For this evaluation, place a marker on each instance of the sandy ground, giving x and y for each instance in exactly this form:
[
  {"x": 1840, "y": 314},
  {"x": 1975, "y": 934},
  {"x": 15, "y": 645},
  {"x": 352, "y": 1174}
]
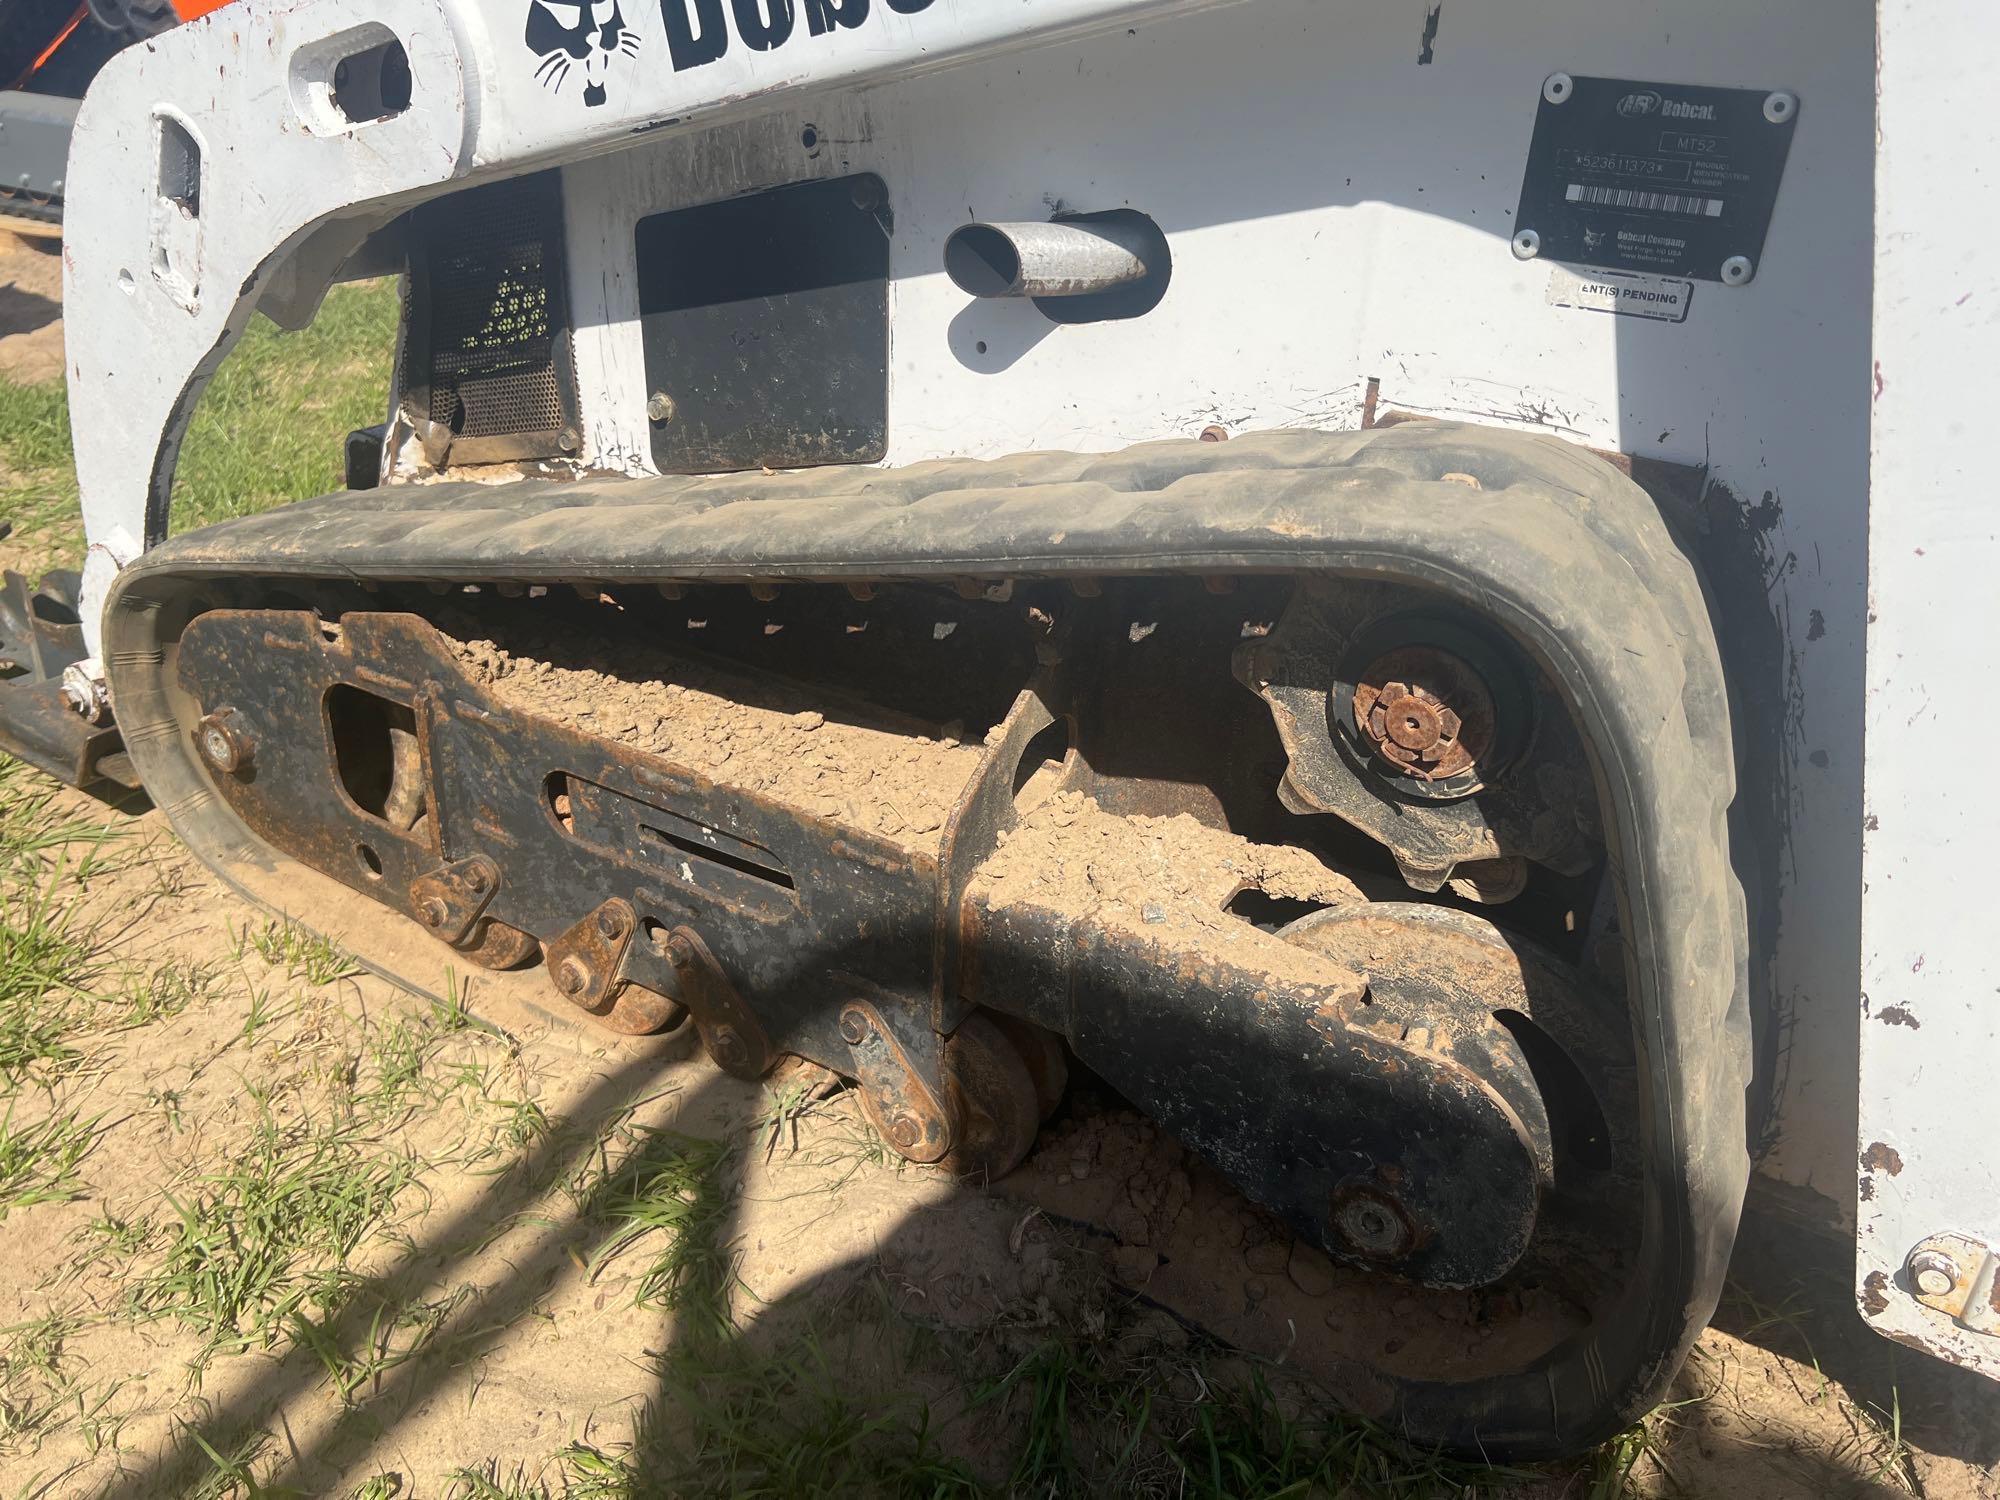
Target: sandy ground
[
  {"x": 488, "y": 1328},
  {"x": 31, "y": 346}
]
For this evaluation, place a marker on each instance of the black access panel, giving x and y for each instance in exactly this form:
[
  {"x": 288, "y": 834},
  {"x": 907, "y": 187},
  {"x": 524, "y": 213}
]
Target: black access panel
[
  {"x": 765, "y": 325},
  {"x": 1660, "y": 178}
]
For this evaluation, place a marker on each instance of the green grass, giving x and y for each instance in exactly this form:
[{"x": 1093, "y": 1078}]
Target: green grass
[
  {"x": 268, "y": 429},
  {"x": 34, "y": 1390},
  {"x": 301, "y": 953},
  {"x": 39, "y": 1160},
  {"x": 664, "y": 1192},
  {"x": 243, "y": 1253}
]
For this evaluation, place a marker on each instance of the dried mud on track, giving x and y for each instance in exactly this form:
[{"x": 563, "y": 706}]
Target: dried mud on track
[{"x": 336, "y": 1234}]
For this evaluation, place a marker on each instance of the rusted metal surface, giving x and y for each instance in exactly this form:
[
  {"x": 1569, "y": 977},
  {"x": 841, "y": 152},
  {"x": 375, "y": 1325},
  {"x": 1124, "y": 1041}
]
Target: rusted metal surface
[
  {"x": 992, "y": 1098},
  {"x": 39, "y": 640},
  {"x": 1426, "y": 712},
  {"x": 452, "y": 897},
  {"x": 730, "y": 1029},
  {"x": 1959, "y": 1276},
  {"x": 226, "y": 746},
  {"x": 1467, "y": 804},
  {"x": 585, "y": 963},
  {"x": 37, "y": 725},
  {"x": 895, "y": 1097}
]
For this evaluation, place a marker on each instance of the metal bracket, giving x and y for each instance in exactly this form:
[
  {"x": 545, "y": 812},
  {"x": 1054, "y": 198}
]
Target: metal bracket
[
  {"x": 910, "y": 1116},
  {"x": 729, "y": 1029},
  {"x": 587, "y": 966},
  {"x": 1960, "y": 1276},
  {"x": 450, "y": 899}
]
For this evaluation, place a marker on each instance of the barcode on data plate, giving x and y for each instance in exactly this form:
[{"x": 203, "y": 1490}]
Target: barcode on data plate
[{"x": 1690, "y": 204}]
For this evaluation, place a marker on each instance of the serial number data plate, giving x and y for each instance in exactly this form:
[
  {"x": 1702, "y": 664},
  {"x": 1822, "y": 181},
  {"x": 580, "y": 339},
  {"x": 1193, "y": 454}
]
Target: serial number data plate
[{"x": 1669, "y": 179}]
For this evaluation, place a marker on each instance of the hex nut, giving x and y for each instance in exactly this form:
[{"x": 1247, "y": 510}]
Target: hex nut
[
  {"x": 853, "y": 1028},
  {"x": 611, "y": 923},
  {"x": 431, "y": 911},
  {"x": 1933, "y": 1273},
  {"x": 572, "y": 978}
]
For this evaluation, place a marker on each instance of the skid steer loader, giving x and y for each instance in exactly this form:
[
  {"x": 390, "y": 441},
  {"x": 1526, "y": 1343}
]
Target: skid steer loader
[{"x": 1309, "y": 558}]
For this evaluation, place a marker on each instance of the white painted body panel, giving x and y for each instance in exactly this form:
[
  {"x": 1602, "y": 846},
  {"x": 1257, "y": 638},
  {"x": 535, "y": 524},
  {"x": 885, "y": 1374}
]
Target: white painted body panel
[
  {"x": 1338, "y": 212},
  {"x": 1930, "y": 1033}
]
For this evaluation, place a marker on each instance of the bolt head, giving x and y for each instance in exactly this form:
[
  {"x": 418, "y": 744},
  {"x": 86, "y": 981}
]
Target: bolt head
[
  {"x": 477, "y": 880},
  {"x": 611, "y": 923},
  {"x": 569, "y": 440},
  {"x": 222, "y": 743},
  {"x": 660, "y": 407},
  {"x": 726, "y": 1047},
  {"x": 1933, "y": 1273},
  {"x": 572, "y": 977},
  {"x": 853, "y": 1028},
  {"x": 431, "y": 911},
  {"x": 1371, "y": 1224},
  {"x": 904, "y": 1132},
  {"x": 680, "y": 952}
]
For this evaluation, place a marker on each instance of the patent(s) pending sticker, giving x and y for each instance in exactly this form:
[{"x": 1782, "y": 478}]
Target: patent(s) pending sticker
[{"x": 1621, "y": 292}]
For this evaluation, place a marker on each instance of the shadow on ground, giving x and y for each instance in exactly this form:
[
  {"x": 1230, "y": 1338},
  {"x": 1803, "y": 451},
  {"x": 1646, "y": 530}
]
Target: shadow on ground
[{"x": 978, "y": 1350}]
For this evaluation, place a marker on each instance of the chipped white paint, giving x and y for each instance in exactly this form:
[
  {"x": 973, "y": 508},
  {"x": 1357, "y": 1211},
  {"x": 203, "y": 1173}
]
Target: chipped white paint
[{"x": 1930, "y": 1020}]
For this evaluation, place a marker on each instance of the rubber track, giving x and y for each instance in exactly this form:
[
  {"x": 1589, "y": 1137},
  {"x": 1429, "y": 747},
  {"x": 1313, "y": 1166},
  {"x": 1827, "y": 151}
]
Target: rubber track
[{"x": 1554, "y": 544}]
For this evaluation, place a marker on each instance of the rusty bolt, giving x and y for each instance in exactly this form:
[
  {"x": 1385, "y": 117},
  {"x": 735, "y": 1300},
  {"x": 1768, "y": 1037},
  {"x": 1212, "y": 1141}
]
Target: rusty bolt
[
  {"x": 476, "y": 879},
  {"x": 572, "y": 978},
  {"x": 1933, "y": 1273},
  {"x": 431, "y": 911},
  {"x": 904, "y": 1132},
  {"x": 726, "y": 1047},
  {"x": 853, "y": 1028},
  {"x": 223, "y": 741},
  {"x": 611, "y": 923},
  {"x": 1215, "y": 432},
  {"x": 1371, "y": 1223},
  {"x": 1425, "y": 711},
  {"x": 569, "y": 440},
  {"x": 680, "y": 952}
]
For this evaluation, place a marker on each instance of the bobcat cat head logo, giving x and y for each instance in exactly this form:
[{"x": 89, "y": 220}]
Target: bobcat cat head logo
[{"x": 591, "y": 32}]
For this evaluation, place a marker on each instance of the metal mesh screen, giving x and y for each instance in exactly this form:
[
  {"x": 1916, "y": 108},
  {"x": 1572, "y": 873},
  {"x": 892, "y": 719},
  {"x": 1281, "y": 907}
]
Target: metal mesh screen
[{"x": 494, "y": 316}]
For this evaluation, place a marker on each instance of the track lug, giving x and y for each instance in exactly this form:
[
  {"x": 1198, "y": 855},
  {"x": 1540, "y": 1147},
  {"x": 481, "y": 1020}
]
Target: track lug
[
  {"x": 898, "y": 1102},
  {"x": 729, "y": 1029},
  {"x": 587, "y": 965},
  {"x": 452, "y": 897}
]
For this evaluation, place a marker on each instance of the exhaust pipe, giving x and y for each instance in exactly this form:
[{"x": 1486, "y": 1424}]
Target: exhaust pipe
[
  {"x": 1045, "y": 260},
  {"x": 1082, "y": 269}
]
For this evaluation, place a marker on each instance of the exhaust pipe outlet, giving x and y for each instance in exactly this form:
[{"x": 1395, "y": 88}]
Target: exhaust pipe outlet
[{"x": 1082, "y": 269}]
